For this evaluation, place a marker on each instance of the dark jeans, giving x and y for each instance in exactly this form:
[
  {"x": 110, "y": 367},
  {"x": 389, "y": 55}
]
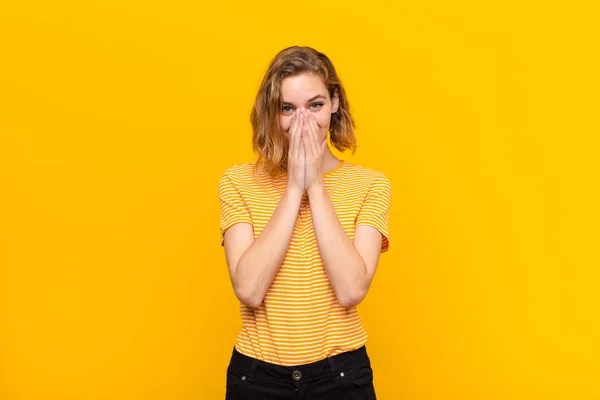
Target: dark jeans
[{"x": 345, "y": 376}]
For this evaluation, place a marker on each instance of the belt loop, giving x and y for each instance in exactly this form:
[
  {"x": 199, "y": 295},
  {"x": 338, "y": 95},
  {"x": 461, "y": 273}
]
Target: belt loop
[
  {"x": 332, "y": 369},
  {"x": 252, "y": 370}
]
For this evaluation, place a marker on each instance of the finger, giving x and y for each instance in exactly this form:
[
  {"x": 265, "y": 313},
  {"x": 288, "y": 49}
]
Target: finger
[
  {"x": 294, "y": 130},
  {"x": 301, "y": 151},
  {"x": 299, "y": 127},
  {"x": 297, "y": 135},
  {"x": 306, "y": 138},
  {"x": 313, "y": 132},
  {"x": 291, "y": 148}
]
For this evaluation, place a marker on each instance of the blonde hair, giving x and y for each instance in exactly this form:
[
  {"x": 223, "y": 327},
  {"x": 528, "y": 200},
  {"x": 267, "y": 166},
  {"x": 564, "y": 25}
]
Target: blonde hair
[{"x": 268, "y": 139}]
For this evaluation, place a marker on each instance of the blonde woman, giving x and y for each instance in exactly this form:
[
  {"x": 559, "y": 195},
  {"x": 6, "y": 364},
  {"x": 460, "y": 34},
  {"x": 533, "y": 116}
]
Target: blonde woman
[{"x": 302, "y": 232}]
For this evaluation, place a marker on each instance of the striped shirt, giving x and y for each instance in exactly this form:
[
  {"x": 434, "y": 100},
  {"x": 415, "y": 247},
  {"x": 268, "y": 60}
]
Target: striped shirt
[{"x": 300, "y": 320}]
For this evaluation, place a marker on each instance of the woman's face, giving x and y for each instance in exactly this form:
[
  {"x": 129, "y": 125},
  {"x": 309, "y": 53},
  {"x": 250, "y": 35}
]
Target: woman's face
[{"x": 308, "y": 91}]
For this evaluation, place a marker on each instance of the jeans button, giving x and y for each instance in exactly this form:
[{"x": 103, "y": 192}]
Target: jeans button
[{"x": 297, "y": 375}]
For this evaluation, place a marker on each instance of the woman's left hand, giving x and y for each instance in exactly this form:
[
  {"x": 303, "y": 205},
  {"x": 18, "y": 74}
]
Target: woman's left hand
[{"x": 313, "y": 150}]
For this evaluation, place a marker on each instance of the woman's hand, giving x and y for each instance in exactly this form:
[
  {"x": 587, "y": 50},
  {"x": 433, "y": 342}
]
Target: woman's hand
[
  {"x": 314, "y": 150},
  {"x": 296, "y": 163}
]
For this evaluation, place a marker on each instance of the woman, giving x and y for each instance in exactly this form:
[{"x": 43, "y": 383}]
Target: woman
[{"x": 302, "y": 232}]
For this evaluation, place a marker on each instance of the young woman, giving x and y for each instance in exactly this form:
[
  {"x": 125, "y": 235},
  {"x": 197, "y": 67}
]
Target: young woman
[{"x": 302, "y": 232}]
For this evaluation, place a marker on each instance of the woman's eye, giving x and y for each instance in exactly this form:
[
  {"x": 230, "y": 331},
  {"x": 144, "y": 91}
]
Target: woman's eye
[{"x": 286, "y": 109}]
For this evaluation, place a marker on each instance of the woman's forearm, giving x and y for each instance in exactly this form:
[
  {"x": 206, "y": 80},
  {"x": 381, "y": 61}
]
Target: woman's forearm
[
  {"x": 259, "y": 264},
  {"x": 342, "y": 262}
]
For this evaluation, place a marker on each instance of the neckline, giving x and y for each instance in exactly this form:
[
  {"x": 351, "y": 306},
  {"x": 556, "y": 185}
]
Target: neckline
[
  {"x": 329, "y": 178},
  {"x": 328, "y": 174},
  {"x": 337, "y": 168}
]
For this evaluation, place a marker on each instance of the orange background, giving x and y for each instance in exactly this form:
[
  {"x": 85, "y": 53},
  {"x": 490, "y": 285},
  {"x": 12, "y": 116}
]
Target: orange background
[{"x": 117, "y": 119}]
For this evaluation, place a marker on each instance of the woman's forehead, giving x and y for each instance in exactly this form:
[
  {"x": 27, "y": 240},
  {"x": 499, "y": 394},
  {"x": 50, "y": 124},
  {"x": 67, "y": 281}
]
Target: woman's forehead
[{"x": 302, "y": 88}]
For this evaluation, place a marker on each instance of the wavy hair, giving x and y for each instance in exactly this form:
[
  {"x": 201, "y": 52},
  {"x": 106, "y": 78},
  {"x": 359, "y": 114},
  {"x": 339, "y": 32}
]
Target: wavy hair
[{"x": 268, "y": 139}]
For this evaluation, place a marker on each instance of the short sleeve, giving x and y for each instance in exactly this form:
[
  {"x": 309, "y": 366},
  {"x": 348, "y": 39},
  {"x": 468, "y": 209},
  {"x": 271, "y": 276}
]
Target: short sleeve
[
  {"x": 375, "y": 210},
  {"x": 233, "y": 208}
]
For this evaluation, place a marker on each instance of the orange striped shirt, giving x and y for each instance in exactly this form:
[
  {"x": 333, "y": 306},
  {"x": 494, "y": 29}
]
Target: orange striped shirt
[{"x": 300, "y": 320}]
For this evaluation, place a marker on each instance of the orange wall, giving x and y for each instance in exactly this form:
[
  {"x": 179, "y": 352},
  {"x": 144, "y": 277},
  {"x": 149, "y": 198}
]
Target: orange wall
[{"x": 117, "y": 119}]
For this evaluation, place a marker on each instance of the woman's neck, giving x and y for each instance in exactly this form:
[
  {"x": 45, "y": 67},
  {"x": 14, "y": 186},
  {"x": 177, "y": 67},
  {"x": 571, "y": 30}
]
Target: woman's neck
[{"x": 330, "y": 161}]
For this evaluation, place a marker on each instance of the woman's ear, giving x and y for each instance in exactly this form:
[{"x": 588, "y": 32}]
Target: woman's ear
[{"x": 335, "y": 102}]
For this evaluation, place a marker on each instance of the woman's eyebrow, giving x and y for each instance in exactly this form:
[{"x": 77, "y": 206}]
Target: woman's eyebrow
[{"x": 309, "y": 100}]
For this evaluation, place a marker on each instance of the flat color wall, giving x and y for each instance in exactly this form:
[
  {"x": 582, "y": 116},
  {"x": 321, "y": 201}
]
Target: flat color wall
[{"x": 117, "y": 118}]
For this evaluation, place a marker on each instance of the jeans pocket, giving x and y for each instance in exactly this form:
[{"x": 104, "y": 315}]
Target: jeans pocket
[
  {"x": 236, "y": 381},
  {"x": 356, "y": 383}
]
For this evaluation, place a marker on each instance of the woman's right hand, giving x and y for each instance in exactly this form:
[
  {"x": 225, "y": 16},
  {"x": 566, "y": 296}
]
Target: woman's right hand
[{"x": 296, "y": 164}]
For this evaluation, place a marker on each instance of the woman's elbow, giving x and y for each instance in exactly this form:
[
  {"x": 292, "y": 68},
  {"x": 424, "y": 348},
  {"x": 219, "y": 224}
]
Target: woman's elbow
[
  {"x": 248, "y": 297},
  {"x": 353, "y": 299}
]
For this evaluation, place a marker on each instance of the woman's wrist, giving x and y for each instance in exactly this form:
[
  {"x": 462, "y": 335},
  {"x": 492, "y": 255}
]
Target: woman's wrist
[
  {"x": 294, "y": 193},
  {"x": 316, "y": 189}
]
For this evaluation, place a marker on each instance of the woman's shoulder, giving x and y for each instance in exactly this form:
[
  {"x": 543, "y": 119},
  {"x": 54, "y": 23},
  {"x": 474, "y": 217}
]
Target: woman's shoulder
[
  {"x": 240, "y": 171},
  {"x": 249, "y": 176},
  {"x": 362, "y": 172}
]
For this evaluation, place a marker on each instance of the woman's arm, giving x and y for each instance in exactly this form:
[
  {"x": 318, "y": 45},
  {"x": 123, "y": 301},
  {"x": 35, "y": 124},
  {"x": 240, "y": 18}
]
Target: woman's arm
[
  {"x": 253, "y": 263},
  {"x": 350, "y": 267}
]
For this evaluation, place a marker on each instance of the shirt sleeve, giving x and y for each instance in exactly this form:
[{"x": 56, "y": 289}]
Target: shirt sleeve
[
  {"x": 233, "y": 208},
  {"x": 375, "y": 210}
]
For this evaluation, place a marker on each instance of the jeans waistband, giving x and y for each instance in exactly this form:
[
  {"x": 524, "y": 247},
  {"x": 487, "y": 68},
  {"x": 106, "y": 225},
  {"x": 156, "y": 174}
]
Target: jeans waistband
[{"x": 311, "y": 371}]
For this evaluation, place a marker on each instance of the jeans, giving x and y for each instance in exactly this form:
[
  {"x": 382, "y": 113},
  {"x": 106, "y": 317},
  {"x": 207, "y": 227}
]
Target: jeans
[{"x": 345, "y": 376}]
